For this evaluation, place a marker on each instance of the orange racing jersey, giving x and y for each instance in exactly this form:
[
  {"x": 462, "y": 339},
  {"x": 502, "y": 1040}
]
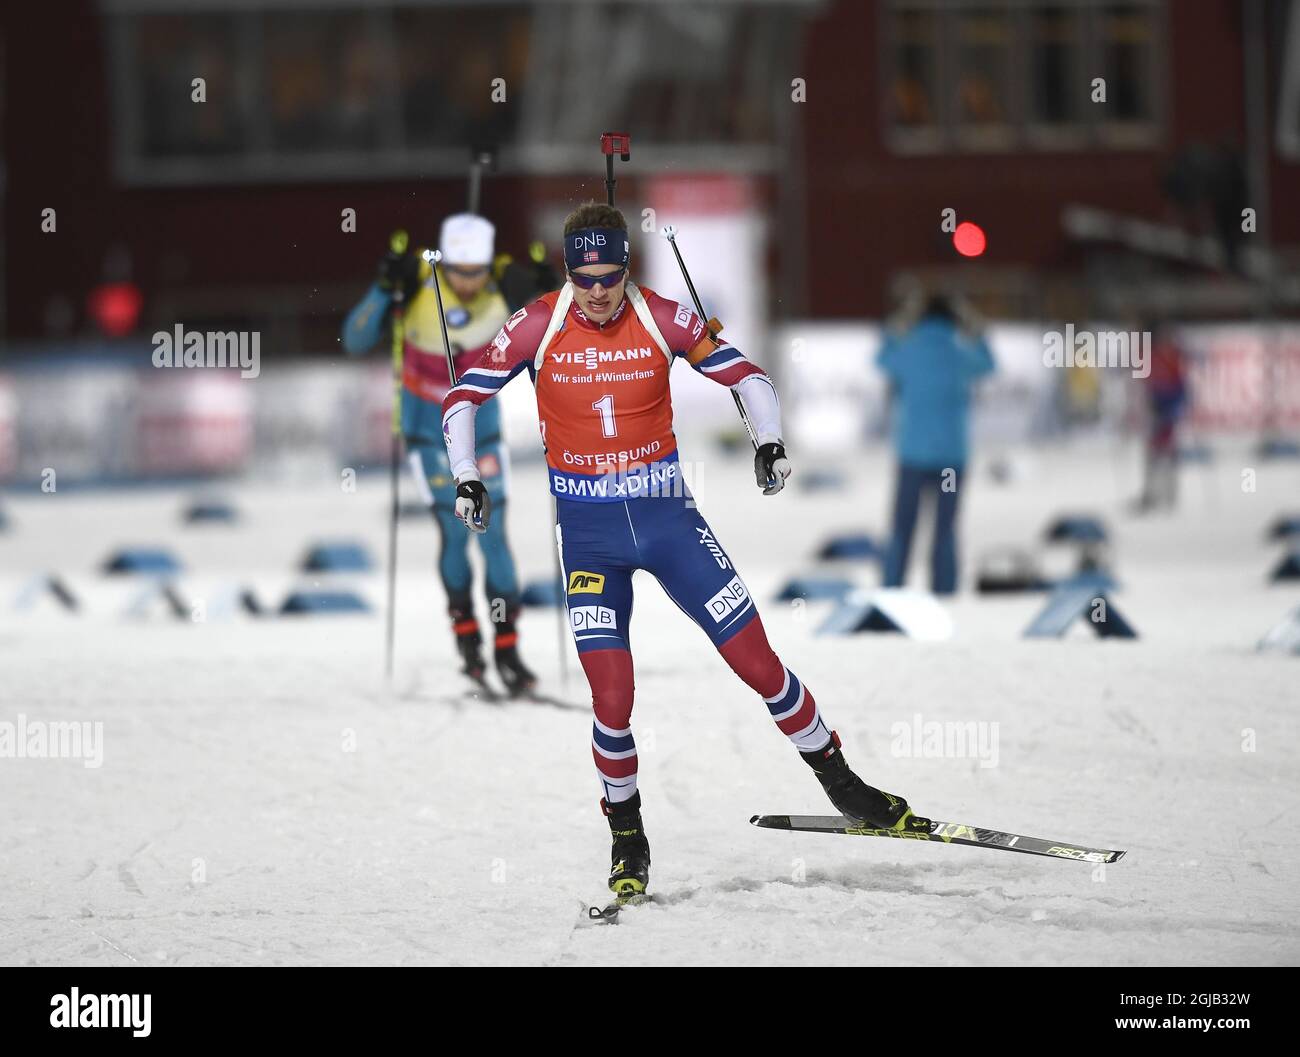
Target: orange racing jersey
[{"x": 604, "y": 404}]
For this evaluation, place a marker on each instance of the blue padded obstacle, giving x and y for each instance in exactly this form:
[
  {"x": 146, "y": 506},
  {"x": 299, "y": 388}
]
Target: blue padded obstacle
[
  {"x": 916, "y": 614},
  {"x": 852, "y": 547},
  {"x": 1287, "y": 569},
  {"x": 542, "y": 593},
  {"x": 38, "y": 587},
  {"x": 307, "y": 602},
  {"x": 341, "y": 557},
  {"x": 1079, "y": 601},
  {"x": 1076, "y": 528},
  {"x": 1285, "y": 637},
  {"x": 158, "y": 595},
  {"x": 815, "y": 589},
  {"x": 1285, "y": 527},
  {"x": 210, "y": 511},
  {"x": 1279, "y": 448},
  {"x": 150, "y": 561}
]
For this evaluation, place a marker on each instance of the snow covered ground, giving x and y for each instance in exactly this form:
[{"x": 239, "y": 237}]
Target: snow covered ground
[{"x": 263, "y": 800}]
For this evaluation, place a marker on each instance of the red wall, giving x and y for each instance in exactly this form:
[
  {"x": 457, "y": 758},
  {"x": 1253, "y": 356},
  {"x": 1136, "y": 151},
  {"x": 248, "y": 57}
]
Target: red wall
[
  {"x": 883, "y": 210},
  {"x": 893, "y": 203}
]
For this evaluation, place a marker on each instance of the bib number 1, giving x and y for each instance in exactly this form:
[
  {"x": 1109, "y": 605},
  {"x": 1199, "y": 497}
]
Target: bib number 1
[{"x": 605, "y": 405}]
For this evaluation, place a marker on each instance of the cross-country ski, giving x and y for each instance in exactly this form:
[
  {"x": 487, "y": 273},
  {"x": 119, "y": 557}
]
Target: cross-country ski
[{"x": 939, "y": 832}]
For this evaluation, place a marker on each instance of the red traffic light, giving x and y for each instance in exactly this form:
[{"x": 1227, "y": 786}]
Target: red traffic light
[
  {"x": 969, "y": 239},
  {"x": 115, "y": 308}
]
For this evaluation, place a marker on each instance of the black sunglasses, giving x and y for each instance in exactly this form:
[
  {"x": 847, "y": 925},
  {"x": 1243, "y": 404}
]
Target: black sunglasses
[{"x": 607, "y": 281}]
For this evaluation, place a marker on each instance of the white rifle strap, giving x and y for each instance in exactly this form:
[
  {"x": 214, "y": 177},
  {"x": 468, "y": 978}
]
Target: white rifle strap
[{"x": 558, "y": 313}]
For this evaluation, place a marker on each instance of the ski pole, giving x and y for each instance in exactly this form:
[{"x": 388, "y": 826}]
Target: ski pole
[
  {"x": 397, "y": 244},
  {"x": 434, "y": 257},
  {"x": 714, "y": 327}
]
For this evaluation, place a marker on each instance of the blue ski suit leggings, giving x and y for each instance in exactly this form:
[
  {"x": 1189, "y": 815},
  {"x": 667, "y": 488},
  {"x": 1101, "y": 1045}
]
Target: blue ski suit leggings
[{"x": 602, "y": 545}]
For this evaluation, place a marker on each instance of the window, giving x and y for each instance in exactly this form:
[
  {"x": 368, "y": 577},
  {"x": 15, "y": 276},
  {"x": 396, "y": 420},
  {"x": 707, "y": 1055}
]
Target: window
[
  {"x": 981, "y": 75},
  {"x": 1127, "y": 59},
  {"x": 981, "y": 85},
  {"x": 914, "y": 93},
  {"x": 355, "y": 90},
  {"x": 1058, "y": 87}
]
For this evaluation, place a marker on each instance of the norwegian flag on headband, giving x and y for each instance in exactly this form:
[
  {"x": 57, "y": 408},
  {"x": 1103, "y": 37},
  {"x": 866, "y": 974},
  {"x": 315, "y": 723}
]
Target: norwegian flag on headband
[{"x": 591, "y": 255}]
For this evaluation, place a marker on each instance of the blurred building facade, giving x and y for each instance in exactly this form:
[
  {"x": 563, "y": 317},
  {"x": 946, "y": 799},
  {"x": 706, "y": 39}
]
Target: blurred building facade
[
  {"x": 199, "y": 159},
  {"x": 229, "y": 209}
]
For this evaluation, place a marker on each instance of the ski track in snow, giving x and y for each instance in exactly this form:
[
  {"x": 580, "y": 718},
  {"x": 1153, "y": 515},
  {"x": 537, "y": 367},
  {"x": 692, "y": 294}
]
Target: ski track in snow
[{"x": 234, "y": 822}]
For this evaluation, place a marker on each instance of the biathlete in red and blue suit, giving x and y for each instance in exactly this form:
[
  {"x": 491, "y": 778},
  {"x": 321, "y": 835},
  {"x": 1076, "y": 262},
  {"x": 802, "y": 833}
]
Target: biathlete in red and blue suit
[{"x": 599, "y": 352}]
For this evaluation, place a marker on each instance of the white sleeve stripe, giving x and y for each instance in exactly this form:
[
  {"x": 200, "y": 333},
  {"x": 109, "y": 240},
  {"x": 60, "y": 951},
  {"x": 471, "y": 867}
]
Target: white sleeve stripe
[
  {"x": 626, "y": 754},
  {"x": 714, "y": 368},
  {"x": 610, "y": 731}
]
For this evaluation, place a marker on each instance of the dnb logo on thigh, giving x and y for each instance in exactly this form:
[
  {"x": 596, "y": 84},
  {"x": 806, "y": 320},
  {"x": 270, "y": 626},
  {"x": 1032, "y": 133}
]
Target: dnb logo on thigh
[
  {"x": 581, "y": 583},
  {"x": 593, "y": 618},
  {"x": 728, "y": 600}
]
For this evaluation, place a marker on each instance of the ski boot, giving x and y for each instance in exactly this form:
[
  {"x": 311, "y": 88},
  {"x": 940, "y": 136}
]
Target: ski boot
[
  {"x": 854, "y": 799},
  {"x": 469, "y": 643},
  {"x": 629, "y": 860},
  {"x": 514, "y": 673}
]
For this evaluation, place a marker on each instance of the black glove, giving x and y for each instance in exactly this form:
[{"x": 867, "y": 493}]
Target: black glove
[
  {"x": 399, "y": 275},
  {"x": 771, "y": 468},
  {"x": 473, "y": 505}
]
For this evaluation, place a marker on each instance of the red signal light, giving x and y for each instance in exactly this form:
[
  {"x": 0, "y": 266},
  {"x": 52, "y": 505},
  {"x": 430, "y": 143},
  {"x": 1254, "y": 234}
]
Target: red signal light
[{"x": 969, "y": 239}]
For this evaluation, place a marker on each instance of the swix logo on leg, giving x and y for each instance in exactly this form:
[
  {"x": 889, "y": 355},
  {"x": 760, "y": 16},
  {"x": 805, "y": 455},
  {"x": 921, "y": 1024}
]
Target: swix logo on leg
[
  {"x": 593, "y": 618},
  {"x": 731, "y": 598},
  {"x": 719, "y": 556},
  {"x": 581, "y": 583}
]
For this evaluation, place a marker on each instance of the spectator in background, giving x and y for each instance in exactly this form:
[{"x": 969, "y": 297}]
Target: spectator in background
[
  {"x": 931, "y": 361},
  {"x": 1166, "y": 400}
]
